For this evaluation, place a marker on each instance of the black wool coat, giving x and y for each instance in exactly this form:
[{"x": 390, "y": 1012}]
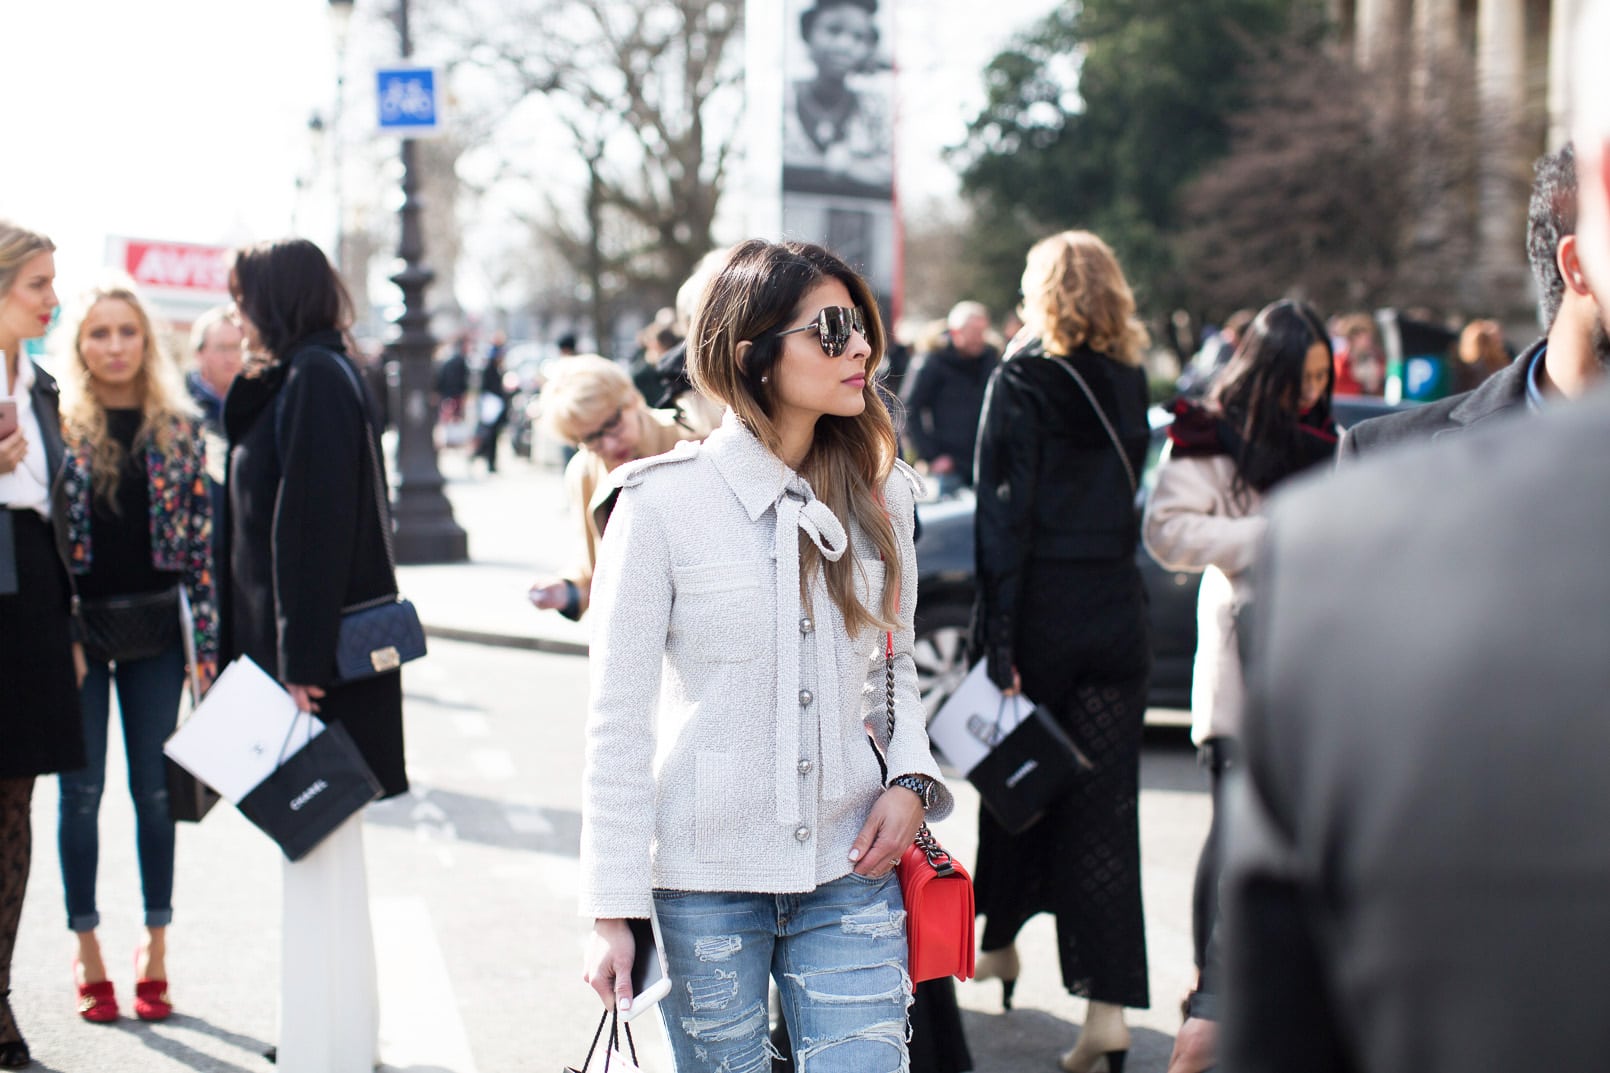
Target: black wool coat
[
  {"x": 304, "y": 538},
  {"x": 1050, "y": 482}
]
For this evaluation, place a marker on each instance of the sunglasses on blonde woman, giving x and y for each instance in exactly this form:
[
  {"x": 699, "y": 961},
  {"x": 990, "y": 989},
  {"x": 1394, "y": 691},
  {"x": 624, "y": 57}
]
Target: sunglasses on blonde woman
[
  {"x": 608, "y": 428},
  {"x": 833, "y": 327}
]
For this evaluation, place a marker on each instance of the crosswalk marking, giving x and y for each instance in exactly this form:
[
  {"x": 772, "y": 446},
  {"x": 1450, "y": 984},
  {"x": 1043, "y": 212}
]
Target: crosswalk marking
[{"x": 420, "y": 1027}]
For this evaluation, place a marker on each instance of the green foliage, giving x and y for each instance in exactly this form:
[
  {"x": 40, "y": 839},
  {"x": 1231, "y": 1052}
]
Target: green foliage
[{"x": 1099, "y": 114}]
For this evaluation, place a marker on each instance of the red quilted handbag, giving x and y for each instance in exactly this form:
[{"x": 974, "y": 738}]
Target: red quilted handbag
[{"x": 938, "y": 894}]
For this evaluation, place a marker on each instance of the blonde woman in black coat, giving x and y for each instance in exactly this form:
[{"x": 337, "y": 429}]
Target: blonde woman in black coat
[
  {"x": 1062, "y": 615},
  {"x": 40, "y": 731},
  {"x": 305, "y": 539}
]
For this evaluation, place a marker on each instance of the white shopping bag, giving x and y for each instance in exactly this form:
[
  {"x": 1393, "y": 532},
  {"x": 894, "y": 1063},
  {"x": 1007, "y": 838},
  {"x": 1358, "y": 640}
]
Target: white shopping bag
[
  {"x": 974, "y": 719},
  {"x": 234, "y": 738}
]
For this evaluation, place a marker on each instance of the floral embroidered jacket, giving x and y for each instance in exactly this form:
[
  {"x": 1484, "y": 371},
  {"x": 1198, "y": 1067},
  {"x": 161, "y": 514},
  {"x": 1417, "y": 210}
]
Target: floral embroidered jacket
[{"x": 181, "y": 522}]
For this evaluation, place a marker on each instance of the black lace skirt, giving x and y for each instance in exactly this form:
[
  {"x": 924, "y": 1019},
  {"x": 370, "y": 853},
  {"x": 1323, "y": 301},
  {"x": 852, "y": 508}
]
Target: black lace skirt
[
  {"x": 1082, "y": 652},
  {"x": 41, "y": 730}
]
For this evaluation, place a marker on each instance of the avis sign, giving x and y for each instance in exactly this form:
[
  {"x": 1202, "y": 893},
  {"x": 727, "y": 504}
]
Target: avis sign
[{"x": 197, "y": 271}]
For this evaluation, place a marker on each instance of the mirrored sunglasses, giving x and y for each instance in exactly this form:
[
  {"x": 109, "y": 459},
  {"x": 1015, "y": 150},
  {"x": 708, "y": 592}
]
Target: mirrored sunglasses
[{"x": 833, "y": 327}]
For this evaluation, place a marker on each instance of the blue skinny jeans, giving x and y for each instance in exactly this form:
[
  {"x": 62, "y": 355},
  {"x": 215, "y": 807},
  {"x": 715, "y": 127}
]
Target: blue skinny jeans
[
  {"x": 148, "y": 693},
  {"x": 838, "y": 954}
]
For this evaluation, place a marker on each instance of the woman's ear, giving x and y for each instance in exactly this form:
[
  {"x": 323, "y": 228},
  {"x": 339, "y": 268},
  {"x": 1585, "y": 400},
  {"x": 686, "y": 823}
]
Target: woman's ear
[{"x": 742, "y": 353}]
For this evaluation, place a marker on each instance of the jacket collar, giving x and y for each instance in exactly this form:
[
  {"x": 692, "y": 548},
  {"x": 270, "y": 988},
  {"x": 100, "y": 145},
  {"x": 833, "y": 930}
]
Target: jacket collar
[
  {"x": 756, "y": 476},
  {"x": 45, "y": 397},
  {"x": 326, "y": 340},
  {"x": 1505, "y": 390}
]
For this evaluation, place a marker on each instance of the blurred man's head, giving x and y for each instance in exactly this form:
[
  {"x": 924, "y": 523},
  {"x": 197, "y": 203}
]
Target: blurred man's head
[
  {"x": 215, "y": 342},
  {"x": 968, "y": 322},
  {"x": 1579, "y": 346},
  {"x": 1551, "y": 229},
  {"x": 1590, "y": 110}
]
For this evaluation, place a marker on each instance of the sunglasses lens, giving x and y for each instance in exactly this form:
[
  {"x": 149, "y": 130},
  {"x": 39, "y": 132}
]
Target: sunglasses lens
[{"x": 834, "y": 325}]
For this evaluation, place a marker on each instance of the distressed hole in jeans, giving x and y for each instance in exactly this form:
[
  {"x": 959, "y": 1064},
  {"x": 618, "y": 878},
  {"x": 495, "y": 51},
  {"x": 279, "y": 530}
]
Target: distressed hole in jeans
[
  {"x": 726, "y": 1029},
  {"x": 712, "y": 992},
  {"x": 717, "y": 947},
  {"x": 890, "y": 1034},
  {"x": 857, "y": 985},
  {"x": 751, "y": 1056},
  {"x": 875, "y": 920}
]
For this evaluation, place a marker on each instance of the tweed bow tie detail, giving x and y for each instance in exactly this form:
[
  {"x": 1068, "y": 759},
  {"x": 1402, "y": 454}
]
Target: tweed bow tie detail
[{"x": 798, "y": 510}]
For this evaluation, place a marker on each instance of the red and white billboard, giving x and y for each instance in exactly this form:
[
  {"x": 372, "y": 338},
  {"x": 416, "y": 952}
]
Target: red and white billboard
[{"x": 198, "y": 271}]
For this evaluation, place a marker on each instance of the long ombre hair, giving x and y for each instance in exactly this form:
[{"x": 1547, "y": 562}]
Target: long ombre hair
[
  {"x": 162, "y": 393},
  {"x": 758, "y": 291},
  {"x": 1075, "y": 295}
]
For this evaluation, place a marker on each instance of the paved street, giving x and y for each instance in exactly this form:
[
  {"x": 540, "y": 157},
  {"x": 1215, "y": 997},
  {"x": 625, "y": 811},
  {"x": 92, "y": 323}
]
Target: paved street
[{"x": 473, "y": 875}]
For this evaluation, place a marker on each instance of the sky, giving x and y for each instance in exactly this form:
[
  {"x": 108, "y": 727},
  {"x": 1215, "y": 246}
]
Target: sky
[{"x": 187, "y": 120}]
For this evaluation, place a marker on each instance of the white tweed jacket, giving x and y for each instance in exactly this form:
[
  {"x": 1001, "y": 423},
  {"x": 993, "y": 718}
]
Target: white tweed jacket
[{"x": 726, "y": 740}]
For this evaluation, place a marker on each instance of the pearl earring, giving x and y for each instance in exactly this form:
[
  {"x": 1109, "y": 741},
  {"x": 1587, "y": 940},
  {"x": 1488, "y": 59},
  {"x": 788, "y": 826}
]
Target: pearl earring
[{"x": 765, "y": 380}]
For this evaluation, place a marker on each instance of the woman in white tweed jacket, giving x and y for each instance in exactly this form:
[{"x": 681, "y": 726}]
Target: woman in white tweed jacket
[{"x": 742, "y": 597}]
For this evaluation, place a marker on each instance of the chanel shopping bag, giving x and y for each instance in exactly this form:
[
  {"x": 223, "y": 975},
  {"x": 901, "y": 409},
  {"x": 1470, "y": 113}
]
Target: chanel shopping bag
[
  {"x": 313, "y": 790},
  {"x": 1031, "y": 763}
]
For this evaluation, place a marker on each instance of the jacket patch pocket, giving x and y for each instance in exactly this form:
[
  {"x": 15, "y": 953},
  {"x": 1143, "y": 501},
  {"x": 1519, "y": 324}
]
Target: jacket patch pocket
[
  {"x": 718, "y": 614},
  {"x": 719, "y": 820}
]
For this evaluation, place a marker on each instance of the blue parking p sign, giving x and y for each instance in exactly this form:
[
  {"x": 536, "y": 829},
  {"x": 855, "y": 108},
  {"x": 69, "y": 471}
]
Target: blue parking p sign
[{"x": 407, "y": 100}]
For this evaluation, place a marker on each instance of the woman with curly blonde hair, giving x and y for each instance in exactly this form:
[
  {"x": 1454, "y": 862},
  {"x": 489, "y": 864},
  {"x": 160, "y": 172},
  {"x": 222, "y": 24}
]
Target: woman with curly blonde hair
[
  {"x": 139, "y": 536},
  {"x": 1061, "y": 615}
]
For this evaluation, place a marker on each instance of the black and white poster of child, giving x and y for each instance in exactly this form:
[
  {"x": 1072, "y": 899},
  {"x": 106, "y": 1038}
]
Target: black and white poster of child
[
  {"x": 838, "y": 115},
  {"x": 838, "y": 134}
]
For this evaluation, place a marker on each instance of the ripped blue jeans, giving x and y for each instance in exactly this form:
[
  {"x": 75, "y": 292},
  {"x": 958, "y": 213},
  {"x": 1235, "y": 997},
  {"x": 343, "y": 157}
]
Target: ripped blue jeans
[{"x": 838, "y": 954}]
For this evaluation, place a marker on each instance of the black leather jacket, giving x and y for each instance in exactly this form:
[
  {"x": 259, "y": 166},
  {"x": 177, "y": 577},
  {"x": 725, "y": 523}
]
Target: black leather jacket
[{"x": 1050, "y": 483}]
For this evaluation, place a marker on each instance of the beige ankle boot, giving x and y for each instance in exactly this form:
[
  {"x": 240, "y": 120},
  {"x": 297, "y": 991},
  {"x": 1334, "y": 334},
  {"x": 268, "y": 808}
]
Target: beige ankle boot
[
  {"x": 999, "y": 965},
  {"x": 1103, "y": 1042}
]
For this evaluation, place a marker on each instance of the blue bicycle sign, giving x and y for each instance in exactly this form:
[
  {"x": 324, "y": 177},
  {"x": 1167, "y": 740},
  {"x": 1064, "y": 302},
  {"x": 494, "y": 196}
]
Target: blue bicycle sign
[{"x": 407, "y": 100}]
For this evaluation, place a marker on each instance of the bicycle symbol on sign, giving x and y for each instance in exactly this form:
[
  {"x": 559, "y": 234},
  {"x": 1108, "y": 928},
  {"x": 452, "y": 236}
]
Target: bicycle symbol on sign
[{"x": 407, "y": 101}]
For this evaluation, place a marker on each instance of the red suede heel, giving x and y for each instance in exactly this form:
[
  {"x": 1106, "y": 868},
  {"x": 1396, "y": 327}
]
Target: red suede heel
[
  {"x": 150, "y": 996},
  {"x": 151, "y": 1000},
  {"x": 97, "y": 1002}
]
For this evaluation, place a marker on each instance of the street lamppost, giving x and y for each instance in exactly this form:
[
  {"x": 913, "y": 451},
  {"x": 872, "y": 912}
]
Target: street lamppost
[
  {"x": 340, "y": 22},
  {"x": 426, "y": 531}
]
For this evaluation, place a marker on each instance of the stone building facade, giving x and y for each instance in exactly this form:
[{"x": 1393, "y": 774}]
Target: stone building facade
[{"x": 1515, "y": 52}]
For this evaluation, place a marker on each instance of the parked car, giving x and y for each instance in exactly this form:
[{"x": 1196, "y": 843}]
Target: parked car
[{"x": 945, "y": 584}]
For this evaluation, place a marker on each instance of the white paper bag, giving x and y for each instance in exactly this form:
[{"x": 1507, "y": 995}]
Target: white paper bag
[
  {"x": 233, "y": 739},
  {"x": 974, "y": 718}
]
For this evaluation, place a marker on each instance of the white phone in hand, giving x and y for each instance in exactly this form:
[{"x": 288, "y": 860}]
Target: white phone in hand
[{"x": 650, "y": 981}]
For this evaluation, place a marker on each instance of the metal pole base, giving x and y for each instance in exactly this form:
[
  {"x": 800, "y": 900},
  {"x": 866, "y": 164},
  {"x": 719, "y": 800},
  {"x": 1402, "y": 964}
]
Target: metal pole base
[{"x": 426, "y": 531}]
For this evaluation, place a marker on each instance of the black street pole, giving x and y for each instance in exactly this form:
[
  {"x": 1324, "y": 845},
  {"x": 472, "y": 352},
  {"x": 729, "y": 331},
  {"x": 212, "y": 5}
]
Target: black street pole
[{"x": 426, "y": 531}]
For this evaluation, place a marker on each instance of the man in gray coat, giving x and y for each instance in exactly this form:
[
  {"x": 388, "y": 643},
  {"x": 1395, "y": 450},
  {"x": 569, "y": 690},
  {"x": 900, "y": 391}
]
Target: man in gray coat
[
  {"x": 1419, "y": 868},
  {"x": 1562, "y": 365}
]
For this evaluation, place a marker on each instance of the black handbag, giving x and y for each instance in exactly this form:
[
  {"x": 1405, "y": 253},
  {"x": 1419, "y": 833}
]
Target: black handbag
[
  {"x": 127, "y": 628},
  {"x": 1028, "y": 768},
  {"x": 617, "y": 1028},
  {"x": 377, "y": 636},
  {"x": 189, "y": 799},
  {"x": 312, "y": 792}
]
